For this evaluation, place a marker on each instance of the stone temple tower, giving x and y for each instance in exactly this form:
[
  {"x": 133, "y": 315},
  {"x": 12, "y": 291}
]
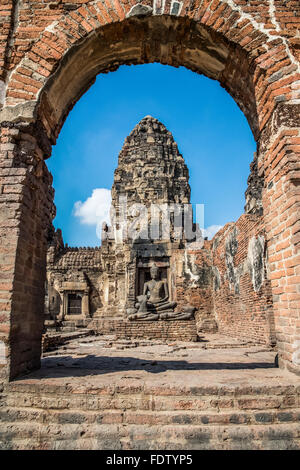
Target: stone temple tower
[
  {"x": 150, "y": 172},
  {"x": 150, "y": 167}
]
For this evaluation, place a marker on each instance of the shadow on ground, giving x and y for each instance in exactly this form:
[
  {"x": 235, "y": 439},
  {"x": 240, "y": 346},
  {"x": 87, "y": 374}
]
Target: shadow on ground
[{"x": 98, "y": 365}]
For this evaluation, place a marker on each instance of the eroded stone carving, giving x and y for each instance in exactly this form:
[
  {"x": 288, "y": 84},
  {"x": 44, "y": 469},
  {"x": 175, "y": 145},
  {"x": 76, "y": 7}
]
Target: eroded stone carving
[
  {"x": 253, "y": 193},
  {"x": 216, "y": 278},
  {"x": 233, "y": 272},
  {"x": 140, "y": 10},
  {"x": 256, "y": 265}
]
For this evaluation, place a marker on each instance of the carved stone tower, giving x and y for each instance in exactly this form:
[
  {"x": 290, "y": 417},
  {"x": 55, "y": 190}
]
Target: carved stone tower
[{"x": 150, "y": 167}]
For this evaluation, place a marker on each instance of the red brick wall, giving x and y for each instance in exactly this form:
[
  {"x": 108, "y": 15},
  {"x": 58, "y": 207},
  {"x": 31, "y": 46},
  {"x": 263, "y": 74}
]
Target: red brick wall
[
  {"x": 243, "y": 308},
  {"x": 26, "y": 209},
  {"x": 162, "y": 329},
  {"x": 37, "y": 34},
  {"x": 281, "y": 201}
]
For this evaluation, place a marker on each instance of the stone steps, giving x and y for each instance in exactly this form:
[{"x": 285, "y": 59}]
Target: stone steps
[
  {"x": 137, "y": 417},
  {"x": 120, "y": 436},
  {"x": 67, "y": 326},
  {"x": 147, "y": 417},
  {"x": 52, "y": 341},
  {"x": 142, "y": 401}
]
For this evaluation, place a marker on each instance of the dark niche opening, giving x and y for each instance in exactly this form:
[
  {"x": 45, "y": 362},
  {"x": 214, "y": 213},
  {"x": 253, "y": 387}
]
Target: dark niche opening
[{"x": 74, "y": 304}]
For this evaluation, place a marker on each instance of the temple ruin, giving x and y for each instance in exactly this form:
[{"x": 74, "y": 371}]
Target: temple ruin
[{"x": 154, "y": 265}]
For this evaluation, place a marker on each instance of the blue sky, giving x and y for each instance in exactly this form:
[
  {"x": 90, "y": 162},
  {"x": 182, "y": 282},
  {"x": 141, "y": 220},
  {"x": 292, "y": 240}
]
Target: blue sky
[{"x": 211, "y": 132}]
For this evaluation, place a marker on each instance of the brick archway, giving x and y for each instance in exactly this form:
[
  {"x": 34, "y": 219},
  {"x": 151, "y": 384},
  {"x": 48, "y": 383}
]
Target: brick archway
[{"x": 49, "y": 63}]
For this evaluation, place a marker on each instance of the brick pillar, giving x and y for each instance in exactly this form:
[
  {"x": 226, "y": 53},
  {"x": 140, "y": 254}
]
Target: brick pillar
[
  {"x": 26, "y": 211},
  {"x": 280, "y": 145}
]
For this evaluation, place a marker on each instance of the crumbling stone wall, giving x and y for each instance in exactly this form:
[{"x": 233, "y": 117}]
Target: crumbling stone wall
[
  {"x": 161, "y": 330},
  {"x": 64, "y": 268},
  {"x": 26, "y": 215},
  {"x": 242, "y": 296},
  {"x": 104, "y": 274},
  {"x": 251, "y": 48},
  {"x": 194, "y": 285}
]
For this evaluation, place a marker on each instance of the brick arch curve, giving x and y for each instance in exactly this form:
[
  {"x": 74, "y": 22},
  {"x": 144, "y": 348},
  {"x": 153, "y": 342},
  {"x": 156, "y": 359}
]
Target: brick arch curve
[
  {"x": 256, "y": 62},
  {"x": 181, "y": 42},
  {"x": 252, "y": 58}
]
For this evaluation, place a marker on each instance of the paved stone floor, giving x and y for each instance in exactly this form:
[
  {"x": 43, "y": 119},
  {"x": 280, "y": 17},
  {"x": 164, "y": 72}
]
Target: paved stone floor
[{"x": 216, "y": 360}]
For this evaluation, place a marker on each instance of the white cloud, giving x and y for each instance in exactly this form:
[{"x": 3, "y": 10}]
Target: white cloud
[
  {"x": 210, "y": 231},
  {"x": 95, "y": 210}
]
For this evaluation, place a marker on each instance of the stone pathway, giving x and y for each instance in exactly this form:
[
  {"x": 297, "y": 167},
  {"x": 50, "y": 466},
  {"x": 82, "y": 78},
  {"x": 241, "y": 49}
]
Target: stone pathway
[{"x": 216, "y": 360}]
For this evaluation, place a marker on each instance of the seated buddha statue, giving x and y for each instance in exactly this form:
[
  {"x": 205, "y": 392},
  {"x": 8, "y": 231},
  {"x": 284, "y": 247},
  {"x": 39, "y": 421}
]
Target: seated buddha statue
[{"x": 155, "y": 299}]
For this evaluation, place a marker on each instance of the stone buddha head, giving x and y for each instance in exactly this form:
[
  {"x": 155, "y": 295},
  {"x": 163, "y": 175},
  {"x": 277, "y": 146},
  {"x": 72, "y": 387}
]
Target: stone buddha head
[{"x": 154, "y": 271}]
